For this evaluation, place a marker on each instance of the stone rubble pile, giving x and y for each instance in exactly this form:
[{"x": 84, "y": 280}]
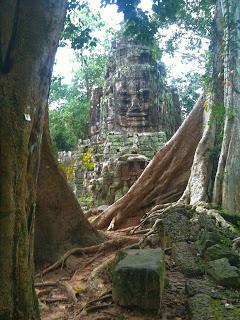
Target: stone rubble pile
[{"x": 200, "y": 251}]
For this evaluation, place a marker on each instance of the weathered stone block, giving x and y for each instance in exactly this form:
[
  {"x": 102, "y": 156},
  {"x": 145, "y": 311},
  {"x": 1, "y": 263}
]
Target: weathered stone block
[
  {"x": 223, "y": 273},
  {"x": 178, "y": 227},
  {"x": 200, "y": 307},
  {"x": 138, "y": 279},
  {"x": 219, "y": 251},
  {"x": 208, "y": 239},
  {"x": 200, "y": 286},
  {"x": 185, "y": 256}
]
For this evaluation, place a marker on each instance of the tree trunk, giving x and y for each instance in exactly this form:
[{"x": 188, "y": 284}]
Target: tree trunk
[
  {"x": 29, "y": 34},
  {"x": 222, "y": 184},
  {"x": 60, "y": 223},
  {"x": 227, "y": 183},
  {"x": 166, "y": 176},
  {"x": 200, "y": 184}
]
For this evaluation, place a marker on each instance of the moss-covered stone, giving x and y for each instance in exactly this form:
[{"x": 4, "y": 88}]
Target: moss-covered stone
[
  {"x": 178, "y": 227},
  {"x": 208, "y": 287},
  {"x": 186, "y": 259},
  {"x": 207, "y": 239},
  {"x": 220, "y": 312},
  {"x": 138, "y": 279},
  {"x": 223, "y": 273},
  {"x": 196, "y": 286},
  {"x": 219, "y": 251},
  {"x": 200, "y": 307}
]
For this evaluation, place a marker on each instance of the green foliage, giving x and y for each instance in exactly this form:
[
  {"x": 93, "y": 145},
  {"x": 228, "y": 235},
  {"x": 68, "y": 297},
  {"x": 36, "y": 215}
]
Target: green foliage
[
  {"x": 217, "y": 117},
  {"x": 189, "y": 91},
  {"x": 90, "y": 74},
  {"x": 69, "y": 121},
  {"x": 58, "y": 90},
  {"x": 138, "y": 24},
  {"x": 69, "y": 104},
  {"x": 86, "y": 200},
  {"x": 78, "y": 26},
  {"x": 187, "y": 15},
  {"x": 220, "y": 312},
  {"x": 218, "y": 114}
]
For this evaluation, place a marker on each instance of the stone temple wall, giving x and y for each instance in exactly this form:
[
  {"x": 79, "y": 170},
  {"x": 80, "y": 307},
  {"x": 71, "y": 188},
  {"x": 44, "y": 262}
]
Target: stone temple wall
[{"x": 131, "y": 118}]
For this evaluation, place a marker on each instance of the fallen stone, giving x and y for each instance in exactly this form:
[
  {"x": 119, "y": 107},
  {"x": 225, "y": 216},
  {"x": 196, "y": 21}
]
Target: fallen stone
[
  {"x": 223, "y": 273},
  {"x": 186, "y": 259},
  {"x": 219, "y": 251},
  {"x": 200, "y": 307},
  {"x": 208, "y": 239},
  {"x": 138, "y": 279},
  {"x": 197, "y": 286},
  {"x": 178, "y": 227},
  {"x": 225, "y": 310}
]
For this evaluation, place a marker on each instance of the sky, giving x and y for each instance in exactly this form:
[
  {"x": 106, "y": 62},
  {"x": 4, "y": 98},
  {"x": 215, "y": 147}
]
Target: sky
[{"x": 176, "y": 68}]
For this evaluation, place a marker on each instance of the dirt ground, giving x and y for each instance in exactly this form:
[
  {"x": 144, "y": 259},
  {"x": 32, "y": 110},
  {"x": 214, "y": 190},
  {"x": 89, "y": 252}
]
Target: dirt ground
[{"x": 81, "y": 289}]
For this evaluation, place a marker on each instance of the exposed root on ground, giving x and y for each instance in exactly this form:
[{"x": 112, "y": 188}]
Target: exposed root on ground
[
  {"x": 114, "y": 244},
  {"x": 71, "y": 293},
  {"x": 93, "y": 305},
  {"x": 45, "y": 284},
  {"x": 154, "y": 218},
  {"x": 54, "y": 300},
  {"x": 159, "y": 211}
]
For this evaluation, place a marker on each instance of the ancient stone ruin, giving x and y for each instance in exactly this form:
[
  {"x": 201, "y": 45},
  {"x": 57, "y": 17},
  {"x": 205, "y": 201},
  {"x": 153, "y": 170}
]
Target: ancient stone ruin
[
  {"x": 186, "y": 267},
  {"x": 135, "y": 98},
  {"x": 131, "y": 118}
]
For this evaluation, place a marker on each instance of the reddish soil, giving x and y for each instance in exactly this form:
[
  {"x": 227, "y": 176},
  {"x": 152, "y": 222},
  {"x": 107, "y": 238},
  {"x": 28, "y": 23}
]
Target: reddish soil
[{"x": 78, "y": 273}]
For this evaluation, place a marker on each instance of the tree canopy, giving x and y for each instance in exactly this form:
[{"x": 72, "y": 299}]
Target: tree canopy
[{"x": 69, "y": 103}]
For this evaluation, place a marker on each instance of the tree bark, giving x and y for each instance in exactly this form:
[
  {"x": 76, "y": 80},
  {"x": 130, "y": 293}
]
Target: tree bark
[
  {"x": 60, "y": 223},
  {"x": 166, "y": 176},
  {"x": 29, "y": 34},
  {"x": 227, "y": 183},
  {"x": 203, "y": 171}
]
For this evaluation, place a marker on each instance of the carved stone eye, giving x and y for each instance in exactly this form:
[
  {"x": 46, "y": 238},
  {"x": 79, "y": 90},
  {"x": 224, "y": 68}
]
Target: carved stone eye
[
  {"x": 146, "y": 95},
  {"x": 122, "y": 106},
  {"x": 124, "y": 101},
  {"x": 124, "y": 94}
]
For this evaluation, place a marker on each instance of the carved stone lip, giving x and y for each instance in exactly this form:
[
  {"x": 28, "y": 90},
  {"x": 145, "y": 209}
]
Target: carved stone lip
[{"x": 136, "y": 114}]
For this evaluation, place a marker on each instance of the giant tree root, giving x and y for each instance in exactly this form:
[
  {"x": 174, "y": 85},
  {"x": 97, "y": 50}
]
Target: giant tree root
[
  {"x": 155, "y": 217},
  {"x": 164, "y": 179},
  {"x": 157, "y": 212},
  {"x": 60, "y": 223},
  {"x": 110, "y": 244}
]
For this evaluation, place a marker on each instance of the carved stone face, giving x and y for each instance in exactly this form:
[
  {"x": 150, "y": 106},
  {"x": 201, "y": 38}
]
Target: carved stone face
[
  {"x": 132, "y": 93},
  {"x": 135, "y": 101}
]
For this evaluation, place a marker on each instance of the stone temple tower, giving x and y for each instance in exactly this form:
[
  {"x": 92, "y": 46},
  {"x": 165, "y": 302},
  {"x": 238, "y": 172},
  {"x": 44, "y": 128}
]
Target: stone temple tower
[
  {"x": 131, "y": 118},
  {"x": 135, "y": 98}
]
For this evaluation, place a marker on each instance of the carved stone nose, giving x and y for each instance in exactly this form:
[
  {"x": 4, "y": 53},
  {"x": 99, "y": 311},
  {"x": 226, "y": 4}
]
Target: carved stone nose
[{"x": 135, "y": 107}]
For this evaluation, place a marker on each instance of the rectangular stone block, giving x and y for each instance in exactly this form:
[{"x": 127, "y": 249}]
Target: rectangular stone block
[{"x": 138, "y": 279}]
